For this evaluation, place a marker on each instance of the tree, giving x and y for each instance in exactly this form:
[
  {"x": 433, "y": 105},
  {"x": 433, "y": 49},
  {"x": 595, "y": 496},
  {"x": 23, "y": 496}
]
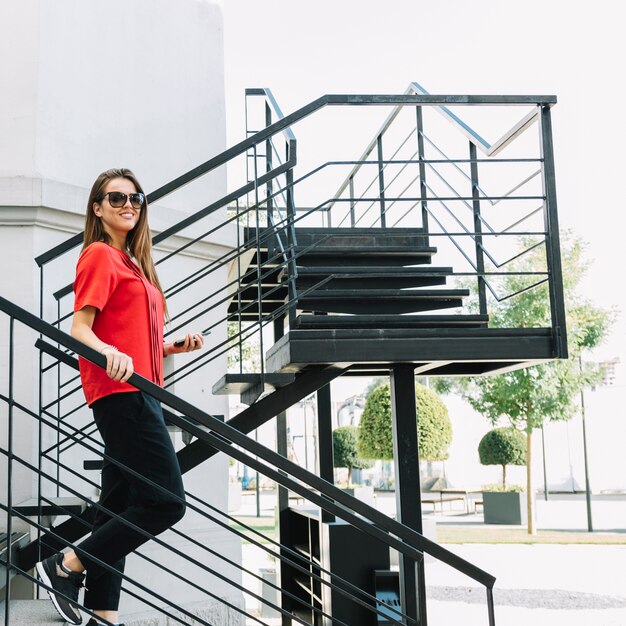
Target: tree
[
  {"x": 503, "y": 446},
  {"x": 433, "y": 424},
  {"x": 345, "y": 452},
  {"x": 548, "y": 392}
]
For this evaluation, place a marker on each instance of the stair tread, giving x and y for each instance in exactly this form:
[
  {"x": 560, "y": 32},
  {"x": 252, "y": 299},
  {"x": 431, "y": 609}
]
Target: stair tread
[
  {"x": 385, "y": 293},
  {"x": 17, "y": 538},
  {"x": 239, "y": 383},
  {"x": 63, "y": 505},
  {"x": 383, "y": 249},
  {"x": 321, "y": 334},
  {"x": 34, "y": 613},
  {"x": 359, "y": 230},
  {"x": 393, "y": 321},
  {"x": 360, "y": 270}
]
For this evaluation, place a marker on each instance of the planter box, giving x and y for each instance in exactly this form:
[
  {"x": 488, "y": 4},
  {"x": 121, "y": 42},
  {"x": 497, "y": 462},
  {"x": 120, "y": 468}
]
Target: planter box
[{"x": 508, "y": 507}]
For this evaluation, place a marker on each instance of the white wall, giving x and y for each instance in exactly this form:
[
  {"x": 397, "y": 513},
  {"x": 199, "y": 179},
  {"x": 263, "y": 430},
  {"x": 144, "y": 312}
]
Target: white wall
[
  {"x": 99, "y": 84},
  {"x": 88, "y": 86}
]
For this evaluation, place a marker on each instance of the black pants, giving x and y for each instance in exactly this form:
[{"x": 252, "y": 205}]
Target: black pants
[{"x": 134, "y": 433}]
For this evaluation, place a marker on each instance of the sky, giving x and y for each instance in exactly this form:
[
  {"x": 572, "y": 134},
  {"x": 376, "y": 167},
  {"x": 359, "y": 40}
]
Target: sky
[{"x": 572, "y": 49}]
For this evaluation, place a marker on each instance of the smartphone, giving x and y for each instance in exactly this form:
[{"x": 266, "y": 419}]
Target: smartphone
[{"x": 180, "y": 342}]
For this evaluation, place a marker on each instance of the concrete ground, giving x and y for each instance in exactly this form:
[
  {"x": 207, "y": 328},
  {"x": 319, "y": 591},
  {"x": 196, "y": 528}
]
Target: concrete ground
[{"x": 537, "y": 584}]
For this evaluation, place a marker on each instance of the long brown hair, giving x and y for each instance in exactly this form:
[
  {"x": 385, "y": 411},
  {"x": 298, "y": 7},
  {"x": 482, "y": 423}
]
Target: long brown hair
[{"x": 138, "y": 241}]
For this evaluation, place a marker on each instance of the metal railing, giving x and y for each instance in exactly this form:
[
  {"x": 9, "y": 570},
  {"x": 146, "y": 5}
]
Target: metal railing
[
  {"x": 240, "y": 253},
  {"x": 222, "y": 437}
]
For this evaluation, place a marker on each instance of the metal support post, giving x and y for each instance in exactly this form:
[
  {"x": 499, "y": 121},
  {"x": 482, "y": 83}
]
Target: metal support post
[
  {"x": 282, "y": 448},
  {"x": 587, "y": 481},
  {"x": 325, "y": 440},
  {"x": 553, "y": 245},
  {"x": 408, "y": 490},
  {"x": 545, "y": 471}
]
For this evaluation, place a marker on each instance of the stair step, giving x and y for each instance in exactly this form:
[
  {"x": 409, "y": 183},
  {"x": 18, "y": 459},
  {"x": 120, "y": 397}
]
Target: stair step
[
  {"x": 274, "y": 292},
  {"x": 381, "y": 301},
  {"x": 59, "y": 506},
  {"x": 354, "y": 237},
  {"x": 250, "y": 310},
  {"x": 365, "y": 277},
  {"x": 376, "y": 254},
  {"x": 18, "y": 540},
  {"x": 33, "y": 613},
  {"x": 359, "y": 270},
  {"x": 391, "y": 321},
  {"x": 239, "y": 383}
]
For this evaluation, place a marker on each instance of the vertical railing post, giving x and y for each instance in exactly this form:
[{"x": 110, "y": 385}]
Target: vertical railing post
[
  {"x": 41, "y": 403},
  {"x": 268, "y": 166},
  {"x": 553, "y": 245},
  {"x": 422, "y": 168},
  {"x": 381, "y": 180},
  {"x": 259, "y": 286},
  {"x": 490, "y": 607},
  {"x": 478, "y": 239},
  {"x": 7, "y": 605},
  {"x": 352, "y": 203},
  {"x": 325, "y": 441},
  {"x": 239, "y": 275},
  {"x": 291, "y": 250}
]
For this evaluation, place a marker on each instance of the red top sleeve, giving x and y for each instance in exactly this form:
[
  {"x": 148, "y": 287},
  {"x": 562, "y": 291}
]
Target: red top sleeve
[{"x": 96, "y": 277}]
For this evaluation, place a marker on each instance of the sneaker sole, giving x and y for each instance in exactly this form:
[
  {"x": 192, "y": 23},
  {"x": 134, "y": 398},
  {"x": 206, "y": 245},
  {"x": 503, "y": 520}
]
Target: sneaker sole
[{"x": 43, "y": 576}]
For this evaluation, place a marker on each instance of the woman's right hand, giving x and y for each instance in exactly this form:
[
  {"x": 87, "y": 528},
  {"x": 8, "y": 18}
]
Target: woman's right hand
[{"x": 119, "y": 365}]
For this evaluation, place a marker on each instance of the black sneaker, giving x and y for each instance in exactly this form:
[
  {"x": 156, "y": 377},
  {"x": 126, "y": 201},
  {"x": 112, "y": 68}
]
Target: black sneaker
[{"x": 66, "y": 587}]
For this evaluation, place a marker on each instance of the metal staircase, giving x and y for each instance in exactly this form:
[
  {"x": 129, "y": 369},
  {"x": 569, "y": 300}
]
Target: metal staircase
[{"x": 327, "y": 285}]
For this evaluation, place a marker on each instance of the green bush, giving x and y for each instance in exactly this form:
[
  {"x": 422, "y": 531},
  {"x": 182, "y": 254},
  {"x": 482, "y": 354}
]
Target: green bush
[
  {"x": 345, "y": 452},
  {"x": 503, "y": 446},
  {"x": 433, "y": 423}
]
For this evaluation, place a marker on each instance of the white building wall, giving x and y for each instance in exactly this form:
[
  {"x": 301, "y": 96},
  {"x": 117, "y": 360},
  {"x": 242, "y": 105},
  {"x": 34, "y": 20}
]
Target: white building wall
[{"x": 88, "y": 86}]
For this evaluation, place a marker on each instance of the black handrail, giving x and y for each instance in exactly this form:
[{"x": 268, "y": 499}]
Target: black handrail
[
  {"x": 300, "y": 114},
  {"x": 287, "y": 251},
  {"x": 416, "y": 89},
  {"x": 366, "y": 602},
  {"x": 330, "y": 498},
  {"x": 225, "y": 438}
]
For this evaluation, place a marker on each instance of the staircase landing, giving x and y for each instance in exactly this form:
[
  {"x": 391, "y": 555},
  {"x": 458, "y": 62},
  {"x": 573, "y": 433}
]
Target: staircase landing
[{"x": 435, "y": 351}]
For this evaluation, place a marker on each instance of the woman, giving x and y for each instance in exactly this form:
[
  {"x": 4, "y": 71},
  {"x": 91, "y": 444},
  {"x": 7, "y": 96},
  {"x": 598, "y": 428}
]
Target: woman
[{"x": 119, "y": 311}]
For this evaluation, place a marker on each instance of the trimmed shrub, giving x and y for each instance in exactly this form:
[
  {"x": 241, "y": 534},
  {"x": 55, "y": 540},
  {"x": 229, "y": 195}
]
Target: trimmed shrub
[
  {"x": 503, "y": 446},
  {"x": 433, "y": 423},
  {"x": 345, "y": 451}
]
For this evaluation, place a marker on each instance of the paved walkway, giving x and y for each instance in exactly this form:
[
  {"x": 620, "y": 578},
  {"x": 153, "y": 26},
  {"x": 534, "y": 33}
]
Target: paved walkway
[{"x": 537, "y": 585}]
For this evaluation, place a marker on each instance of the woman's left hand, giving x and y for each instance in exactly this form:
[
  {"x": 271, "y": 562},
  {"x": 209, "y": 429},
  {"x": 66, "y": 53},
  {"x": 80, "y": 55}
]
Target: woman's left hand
[{"x": 188, "y": 343}]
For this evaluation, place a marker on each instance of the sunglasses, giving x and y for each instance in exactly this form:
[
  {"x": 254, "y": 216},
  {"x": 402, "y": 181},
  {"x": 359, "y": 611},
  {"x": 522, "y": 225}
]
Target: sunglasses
[{"x": 117, "y": 199}]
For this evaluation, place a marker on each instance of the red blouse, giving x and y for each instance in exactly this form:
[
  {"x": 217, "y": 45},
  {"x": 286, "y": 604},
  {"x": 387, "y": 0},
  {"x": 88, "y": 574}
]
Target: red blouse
[{"x": 129, "y": 316}]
